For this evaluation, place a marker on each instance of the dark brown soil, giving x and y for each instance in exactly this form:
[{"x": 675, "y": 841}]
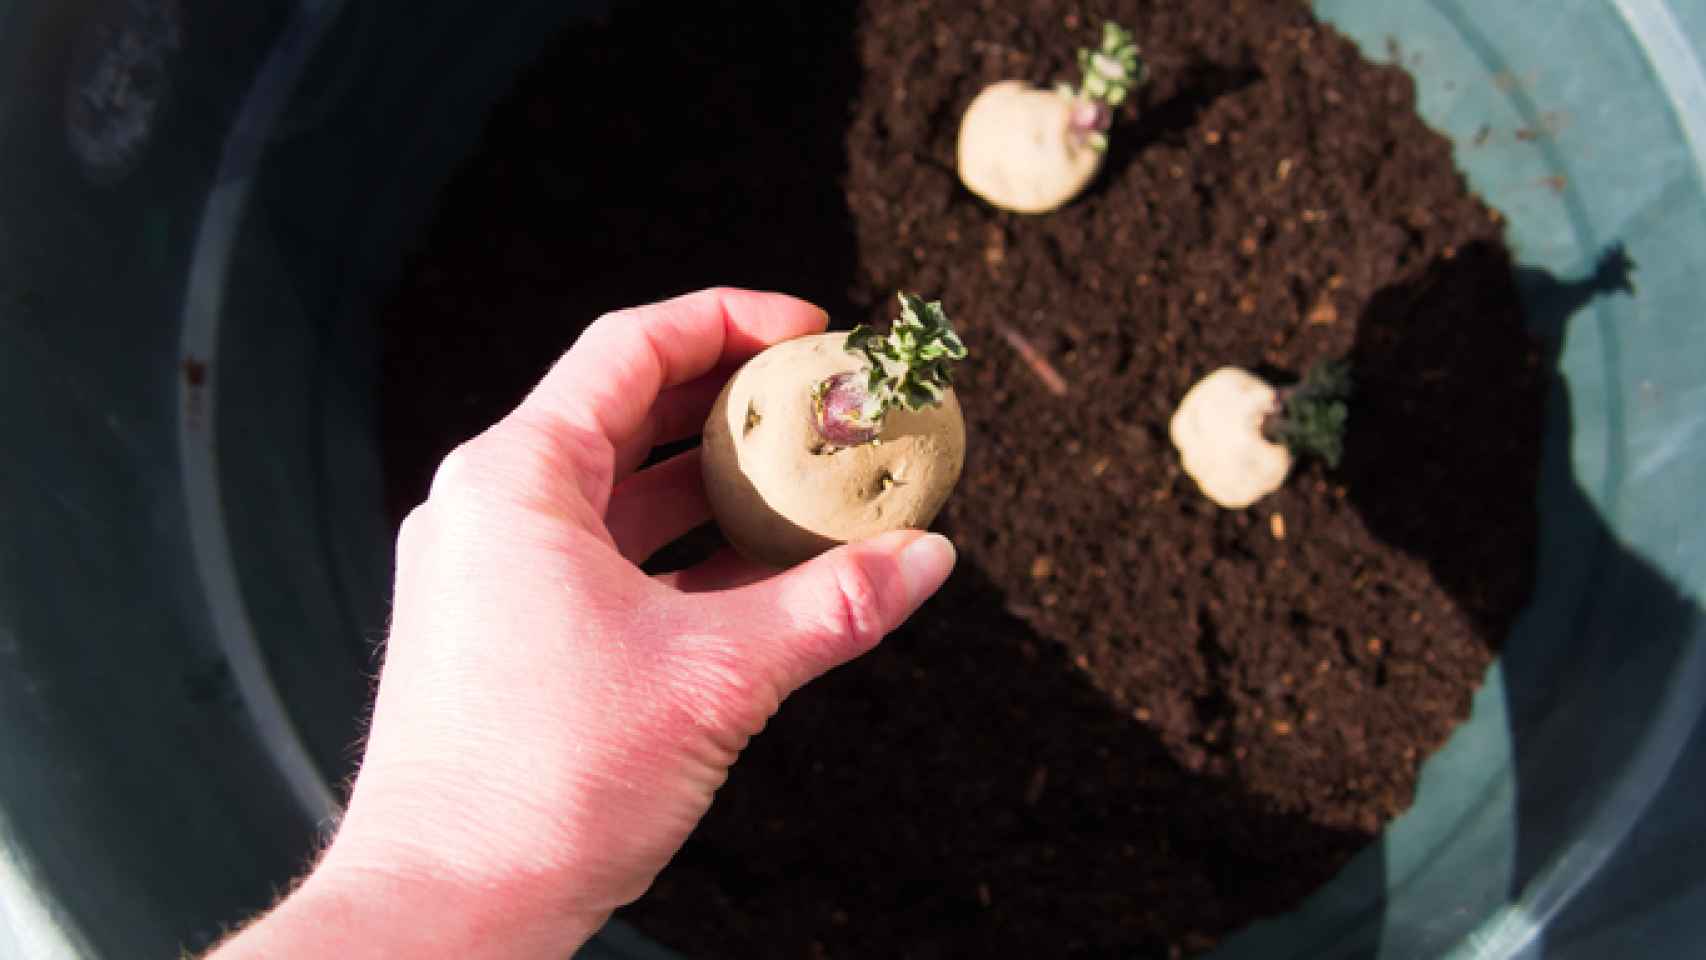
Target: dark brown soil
[{"x": 1132, "y": 723}]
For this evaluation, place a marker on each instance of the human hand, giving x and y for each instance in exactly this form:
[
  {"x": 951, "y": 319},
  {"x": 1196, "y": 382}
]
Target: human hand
[{"x": 551, "y": 723}]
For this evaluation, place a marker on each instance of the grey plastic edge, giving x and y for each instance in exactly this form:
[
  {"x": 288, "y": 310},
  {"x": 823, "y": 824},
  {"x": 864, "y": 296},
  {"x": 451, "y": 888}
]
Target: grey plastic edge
[{"x": 197, "y": 449}]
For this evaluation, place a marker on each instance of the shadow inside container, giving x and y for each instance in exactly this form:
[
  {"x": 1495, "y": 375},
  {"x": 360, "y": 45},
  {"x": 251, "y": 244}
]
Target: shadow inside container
[
  {"x": 938, "y": 798},
  {"x": 620, "y": 177},
  {"x": 1593, "y": 731},
  {"x": 1443, "y": 458}
]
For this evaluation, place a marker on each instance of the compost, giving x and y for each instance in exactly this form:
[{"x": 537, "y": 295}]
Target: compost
[{"x": 1132, "y": 723}]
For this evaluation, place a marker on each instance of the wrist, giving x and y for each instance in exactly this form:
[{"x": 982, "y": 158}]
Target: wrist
[{"x": 353, "y": 912}]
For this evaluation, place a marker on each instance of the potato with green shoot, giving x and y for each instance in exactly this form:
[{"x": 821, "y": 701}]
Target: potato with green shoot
[
  {"x": 1031, "y": 150},
  {"x": 836, "y": 437},
  {"x": 1237, "y": 435}
]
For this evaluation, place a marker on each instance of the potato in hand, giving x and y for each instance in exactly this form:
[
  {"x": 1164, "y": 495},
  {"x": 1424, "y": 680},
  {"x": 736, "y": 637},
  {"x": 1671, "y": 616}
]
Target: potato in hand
[{"x": 836, "y": 437}]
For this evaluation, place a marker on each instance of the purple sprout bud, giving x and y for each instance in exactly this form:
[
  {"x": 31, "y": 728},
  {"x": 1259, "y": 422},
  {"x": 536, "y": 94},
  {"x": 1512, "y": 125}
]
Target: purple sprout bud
[
  {"x": 909, "y": 367},
  {"x": 1111, "y": 72},
  {"x": 840, "y": 404},
  {"x": 1091, "y": 116}
]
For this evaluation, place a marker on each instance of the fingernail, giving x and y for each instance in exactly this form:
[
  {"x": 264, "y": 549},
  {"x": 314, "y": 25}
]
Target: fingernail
[{"x": 924, "y": 564}]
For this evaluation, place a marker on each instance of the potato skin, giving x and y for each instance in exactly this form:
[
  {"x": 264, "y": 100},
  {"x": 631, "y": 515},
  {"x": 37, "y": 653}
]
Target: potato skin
[
  {"x": 1218, "y": 433},
  {"x": 1014, "y": 150},
  {"x": 782, "y": 496}
]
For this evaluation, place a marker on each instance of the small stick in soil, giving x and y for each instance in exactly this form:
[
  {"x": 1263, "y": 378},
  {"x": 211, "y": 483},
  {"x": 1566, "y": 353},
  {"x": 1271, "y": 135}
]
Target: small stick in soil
[
  {"x": 1034, "y": 789},
  {"x": 1045, "y": 371}
]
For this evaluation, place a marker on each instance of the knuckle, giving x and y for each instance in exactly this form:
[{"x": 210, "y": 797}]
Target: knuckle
[
  {"x": 412, "y": 533},
  {"x": 554, "y": 456},
  {"x": 523, "y": 460},
  {"x": 468, "y": 482},
  {"x": 413, "y": 526},
  {"x": 606, "y": 328},
  {"x": 860, "y": 609},
  {"x": 455, "y": 471}
]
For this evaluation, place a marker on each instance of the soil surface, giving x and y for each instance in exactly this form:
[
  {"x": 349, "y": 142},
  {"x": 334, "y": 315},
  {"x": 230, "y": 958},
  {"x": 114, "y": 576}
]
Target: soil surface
[{"x": 1132, "y": 722}]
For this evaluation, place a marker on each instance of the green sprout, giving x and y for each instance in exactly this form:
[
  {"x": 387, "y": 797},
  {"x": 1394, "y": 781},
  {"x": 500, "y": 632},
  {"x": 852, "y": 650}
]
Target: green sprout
[
  {"x": 1111, "y": 72},
  {"x": 910, "y": 367},
  {"x": 1313, "y": 413}
]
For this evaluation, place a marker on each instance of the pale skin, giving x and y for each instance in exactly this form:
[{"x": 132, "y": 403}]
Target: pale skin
[
  {"x": 1032, "y": 151},
  {"x": 551, "y": 723},
  {"x": 1018, "y": 148},
  {"x": 1218, "y": 431}
]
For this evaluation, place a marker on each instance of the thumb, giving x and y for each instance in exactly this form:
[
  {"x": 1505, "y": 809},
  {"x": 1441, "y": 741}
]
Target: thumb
[{"x": 837, "y": 606}]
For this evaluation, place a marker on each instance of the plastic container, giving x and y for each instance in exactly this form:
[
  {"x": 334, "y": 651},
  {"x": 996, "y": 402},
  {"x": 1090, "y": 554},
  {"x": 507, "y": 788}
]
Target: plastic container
[{"x": 199, "y": 200}]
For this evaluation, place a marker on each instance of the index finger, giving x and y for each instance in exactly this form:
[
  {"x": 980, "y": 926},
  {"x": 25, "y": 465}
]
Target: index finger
[{"x": 607, "y": 382}]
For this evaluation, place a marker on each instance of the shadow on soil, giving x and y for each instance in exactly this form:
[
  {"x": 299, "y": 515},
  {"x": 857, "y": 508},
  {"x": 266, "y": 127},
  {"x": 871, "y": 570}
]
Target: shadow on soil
[
  {"x": 1170, "y": 119},
  {"x": 1442, "y": 450},
  {"x": 948, "y": 792}
]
